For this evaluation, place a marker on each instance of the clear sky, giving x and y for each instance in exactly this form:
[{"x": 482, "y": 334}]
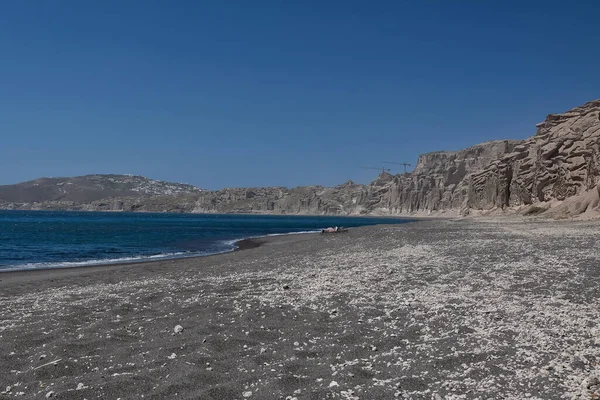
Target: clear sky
[{"x": 260, "y": 93}]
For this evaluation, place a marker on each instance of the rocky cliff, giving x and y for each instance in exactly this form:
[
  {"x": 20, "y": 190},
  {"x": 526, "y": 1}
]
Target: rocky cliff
[
  {"x": 440, "y": 180},
  {"x": 559, "y": 166},
  {"x": 562, "y": 161}
]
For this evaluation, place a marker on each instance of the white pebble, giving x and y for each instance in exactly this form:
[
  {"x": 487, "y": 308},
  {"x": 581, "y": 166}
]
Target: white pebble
[
  {"x": 333, "y": 384},
  {"x": 178, "y": 329},
  {"x": 80, "y": 386},
  {"x": 247, "y": 394},
  {"x": 172, "y": 356},
  {"x": 49, "y": 394}
]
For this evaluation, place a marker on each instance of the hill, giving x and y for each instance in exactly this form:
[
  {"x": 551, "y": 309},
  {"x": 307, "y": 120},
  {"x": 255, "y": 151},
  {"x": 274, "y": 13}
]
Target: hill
[{"x": 89, "y": 188}]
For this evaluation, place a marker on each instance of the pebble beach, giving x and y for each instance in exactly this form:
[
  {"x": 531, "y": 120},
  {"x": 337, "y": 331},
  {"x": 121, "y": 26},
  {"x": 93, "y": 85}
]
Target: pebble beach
[{"x": 437, "y": 309}]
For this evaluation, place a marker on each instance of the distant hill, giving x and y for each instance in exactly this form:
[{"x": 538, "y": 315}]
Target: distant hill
[{"x": 90, "y": 188}]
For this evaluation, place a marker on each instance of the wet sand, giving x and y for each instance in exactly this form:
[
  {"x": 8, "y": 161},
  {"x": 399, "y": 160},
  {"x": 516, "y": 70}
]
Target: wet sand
[{"x": 497, "y": 309}]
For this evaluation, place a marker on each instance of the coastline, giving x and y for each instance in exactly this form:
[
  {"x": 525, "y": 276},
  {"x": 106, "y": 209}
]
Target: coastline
[
  {"x": 239, "y": 244},
  {"x": 22, "y": 275},
  {"x": 133, "y": 257},
  {"x": 448, "y": 308}
]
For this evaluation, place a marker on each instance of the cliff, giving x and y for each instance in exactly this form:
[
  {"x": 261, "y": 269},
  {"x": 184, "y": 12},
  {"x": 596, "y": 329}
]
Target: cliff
[
  {"x": 561, "y": 161},
  {"x": 558, "y": 167},
  {"x": 440, "y": 180}
]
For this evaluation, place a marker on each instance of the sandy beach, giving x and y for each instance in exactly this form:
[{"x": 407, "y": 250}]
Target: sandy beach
[{"x": 497, "y": 309}]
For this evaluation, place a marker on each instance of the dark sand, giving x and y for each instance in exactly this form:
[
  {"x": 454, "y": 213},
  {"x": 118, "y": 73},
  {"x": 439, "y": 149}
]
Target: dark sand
[{"x": 430, "y": 310}]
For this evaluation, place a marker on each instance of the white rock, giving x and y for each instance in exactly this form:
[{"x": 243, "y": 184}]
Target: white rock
[
  {"x": 333, "y": 384},
  {"x": 178, "y": 329},
  {"x": 80, "y": 386},
  {"x": 49, "y": 394},
  {"x": 247, "y": 394},
  {"x": 172, "y": 356}
]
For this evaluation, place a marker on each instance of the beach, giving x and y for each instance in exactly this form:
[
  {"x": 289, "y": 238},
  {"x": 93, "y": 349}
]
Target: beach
[{"x": 437, "y": 309}]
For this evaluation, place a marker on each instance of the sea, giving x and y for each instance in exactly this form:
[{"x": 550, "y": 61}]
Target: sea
[{"x": 32, "y": 240}]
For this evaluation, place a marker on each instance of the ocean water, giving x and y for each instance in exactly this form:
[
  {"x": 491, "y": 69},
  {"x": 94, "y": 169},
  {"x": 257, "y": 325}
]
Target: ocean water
[{"x": 51, "y": 239}]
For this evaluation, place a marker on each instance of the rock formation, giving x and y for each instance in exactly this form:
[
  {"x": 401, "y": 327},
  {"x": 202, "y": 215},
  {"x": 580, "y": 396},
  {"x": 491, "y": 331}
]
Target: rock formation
[
  {"x": 440, "y": 180},
  {"x": 561, "y": 162}
]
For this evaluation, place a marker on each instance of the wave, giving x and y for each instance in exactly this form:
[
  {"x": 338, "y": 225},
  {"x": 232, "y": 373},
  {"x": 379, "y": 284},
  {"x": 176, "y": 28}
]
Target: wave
[
  {"x": 233, "y": 242},
  {"x": 293, "y": 233},
  {"x": 228, "y": 246},
  {"x": 107, "y": 261}
]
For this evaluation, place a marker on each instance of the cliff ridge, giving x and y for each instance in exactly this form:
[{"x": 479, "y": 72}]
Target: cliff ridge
[{"x": 558, "y": 168}]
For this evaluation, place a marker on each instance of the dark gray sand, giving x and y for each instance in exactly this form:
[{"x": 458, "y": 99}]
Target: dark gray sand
[{"x": 431, "y": 310}]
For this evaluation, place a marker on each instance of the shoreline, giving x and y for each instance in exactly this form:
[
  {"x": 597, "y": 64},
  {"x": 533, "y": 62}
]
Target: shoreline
[
  {"x": 239, "y": 244},
  {"x": 242, "y": 245}
]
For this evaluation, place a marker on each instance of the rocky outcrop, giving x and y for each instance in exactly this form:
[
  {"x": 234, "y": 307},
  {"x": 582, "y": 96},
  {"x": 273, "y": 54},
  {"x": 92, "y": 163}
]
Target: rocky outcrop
[
  {"x": 440, "y": 179},
  {"x": 348, "y": 198},
  {"x": 561, "y": 161}
]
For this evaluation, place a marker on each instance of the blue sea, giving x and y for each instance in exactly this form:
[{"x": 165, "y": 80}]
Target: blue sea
[{"x": 52, "y": 239}]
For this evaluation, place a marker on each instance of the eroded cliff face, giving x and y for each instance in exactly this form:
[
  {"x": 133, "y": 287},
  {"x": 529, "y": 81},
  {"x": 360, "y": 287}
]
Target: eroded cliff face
[
  {"x": 439, "y": 181},
  {"x": 561, "y": 162},
  {"x": 348, "y": 198}
]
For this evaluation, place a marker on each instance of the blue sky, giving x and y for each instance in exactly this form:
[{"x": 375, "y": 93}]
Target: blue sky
[{"x": 239, "y": 93}]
